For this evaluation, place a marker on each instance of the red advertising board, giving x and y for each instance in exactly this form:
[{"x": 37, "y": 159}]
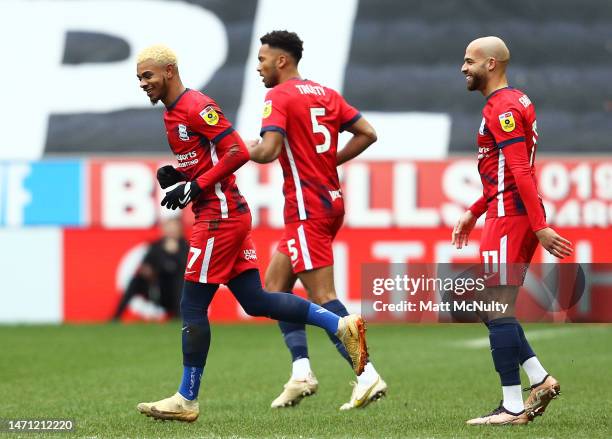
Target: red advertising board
[
  {"x": 396, "y": 212},
  {"x": 95, "y": 260}
]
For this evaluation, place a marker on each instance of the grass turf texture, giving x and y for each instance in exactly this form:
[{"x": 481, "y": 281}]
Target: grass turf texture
[{"x": 97, "y": 374}]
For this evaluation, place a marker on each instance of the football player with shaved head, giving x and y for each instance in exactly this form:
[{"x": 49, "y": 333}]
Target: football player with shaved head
[
  {"x": 515, "y": 223},
  {"x": 209, "y": 151}
]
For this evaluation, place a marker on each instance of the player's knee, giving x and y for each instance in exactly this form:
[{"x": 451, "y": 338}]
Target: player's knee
[
  {"x": 196, "y": 342},
  {"x": 195, "y": 300},
  {"x": 254, "y": 310},
  {"x": 277, "y": 283},
  {"x": 274, "y": 285},
  {"x": 322, "y": 297},
  {"x": 256, "y": 304}
]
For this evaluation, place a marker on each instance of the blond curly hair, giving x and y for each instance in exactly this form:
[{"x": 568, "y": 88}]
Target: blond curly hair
[{"x": 159, "y": 53}]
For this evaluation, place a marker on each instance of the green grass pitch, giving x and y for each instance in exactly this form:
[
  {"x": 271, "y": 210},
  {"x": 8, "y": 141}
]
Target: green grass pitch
[{"x": 438, "y": 376}]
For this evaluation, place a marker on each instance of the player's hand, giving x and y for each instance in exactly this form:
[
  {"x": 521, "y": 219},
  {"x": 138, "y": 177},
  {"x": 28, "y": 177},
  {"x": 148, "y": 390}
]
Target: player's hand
[
  {"x": 181, "y": 195},
  {"x": 462, "y": 230},
  {"x": 555, "y": 244},
  {"x": 168, "y": 175}
]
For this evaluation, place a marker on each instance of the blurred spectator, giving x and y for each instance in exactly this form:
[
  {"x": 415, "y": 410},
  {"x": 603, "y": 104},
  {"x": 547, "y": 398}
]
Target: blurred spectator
[{"x": 160, "y": 275}]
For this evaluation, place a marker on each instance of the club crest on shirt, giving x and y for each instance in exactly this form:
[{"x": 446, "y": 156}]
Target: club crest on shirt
[
  {"x": 182, "y": 132},
  {"x": 210, "y": 116},
  {"x": 506, "y": 121},
  {"x": 267, "y": 109}
]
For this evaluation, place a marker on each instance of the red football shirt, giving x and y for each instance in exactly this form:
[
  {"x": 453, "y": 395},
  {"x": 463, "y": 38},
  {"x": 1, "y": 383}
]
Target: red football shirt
[
  {"x": 195, "y": 125},
  {"x": 507, "y": 141},
  {"x": 310, "y": 117}
]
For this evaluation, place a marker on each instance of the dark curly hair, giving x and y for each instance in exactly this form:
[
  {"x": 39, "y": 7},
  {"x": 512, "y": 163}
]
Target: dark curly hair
[{"x": 285, "y": 40}]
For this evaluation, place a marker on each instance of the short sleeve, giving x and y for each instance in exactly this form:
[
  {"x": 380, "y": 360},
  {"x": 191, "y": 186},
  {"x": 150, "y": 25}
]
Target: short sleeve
[
  {"x": 274, "y": 114},
  {"x": 348, "y": 114},
  {"x": 506, "y": 124},
  {"x": 207, "y": 119}
]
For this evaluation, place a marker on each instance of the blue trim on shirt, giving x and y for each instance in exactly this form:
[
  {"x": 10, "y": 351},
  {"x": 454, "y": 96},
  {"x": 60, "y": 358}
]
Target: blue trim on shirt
[
  {"x": 510, "y": 142},
  {"x": 172, "y": 105},
  {"x": 204, "y": 141},
  {"x": 218, "y": 137},
  {"x": 498, "y": 90},
  {"x": 272, "y": 128},
  {"x": 345, "y": 125}
]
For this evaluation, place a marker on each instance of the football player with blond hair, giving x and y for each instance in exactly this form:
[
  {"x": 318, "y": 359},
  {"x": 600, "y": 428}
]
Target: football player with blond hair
[{"x": 208, "y": 151}]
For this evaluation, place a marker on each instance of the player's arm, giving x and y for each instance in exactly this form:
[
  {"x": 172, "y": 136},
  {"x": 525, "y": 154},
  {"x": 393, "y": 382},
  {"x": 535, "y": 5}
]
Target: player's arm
[
  {"x": 268, "y": 148},
  {"x": 232, "y": 153},
  {"x": 463, "y": 228},
  {"x": 518, "y": 163},
  {"x": 467, "y": 221},
  {"x": 363, "y": 136},
  {"x": 227, "y": 143},
  {"x": 514, "y": 148},
  {"x": 273, "y": 128},
  {"x": 230, "y": 149}
]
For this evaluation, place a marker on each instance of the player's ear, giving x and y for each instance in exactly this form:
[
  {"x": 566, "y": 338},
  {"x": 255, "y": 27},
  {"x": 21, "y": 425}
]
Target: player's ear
[
  {"x": 281, "y": 61},
  {"x": 171, "y": 70},
  {"x": 491, "y": 63}
]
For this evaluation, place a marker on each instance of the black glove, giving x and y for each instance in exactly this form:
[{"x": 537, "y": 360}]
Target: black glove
[
  {"x": 181, "y": 195},
  {"x": 168, "y": 175}
]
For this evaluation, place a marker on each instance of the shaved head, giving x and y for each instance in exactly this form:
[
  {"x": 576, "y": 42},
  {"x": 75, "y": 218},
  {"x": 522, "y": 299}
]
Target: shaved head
[
  {"x": 491, "y": 47},
  {"x": 484, "y": 64}
]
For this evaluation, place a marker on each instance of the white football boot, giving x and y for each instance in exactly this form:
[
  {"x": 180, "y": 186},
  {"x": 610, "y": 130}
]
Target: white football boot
[
  {"x": 175, "y": 408},
  {"x": 363, "y": 394},
  {"x": 295, "y": 390}
]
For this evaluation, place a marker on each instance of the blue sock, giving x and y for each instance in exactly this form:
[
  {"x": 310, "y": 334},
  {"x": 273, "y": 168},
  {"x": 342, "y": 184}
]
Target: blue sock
[
  {"x": 190, "y": 385},
  {"x": 525, "y": 351},
  {"x": 339, "y": 309},
  {"x": 322, "y": 318},
  {"x": 247, "y": 289},
  {"x": 195, "y": 334},
  {"x": 295, "y": 339},
  {"x": 505, "y": 346}
]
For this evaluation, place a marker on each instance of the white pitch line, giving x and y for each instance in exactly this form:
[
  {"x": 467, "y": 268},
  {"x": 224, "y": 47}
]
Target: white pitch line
[{"x": 538, "y": 334}]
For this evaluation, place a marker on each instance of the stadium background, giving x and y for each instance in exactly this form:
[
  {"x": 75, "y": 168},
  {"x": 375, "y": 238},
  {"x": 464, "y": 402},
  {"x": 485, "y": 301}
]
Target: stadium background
[{"x": 80, "y": 143}]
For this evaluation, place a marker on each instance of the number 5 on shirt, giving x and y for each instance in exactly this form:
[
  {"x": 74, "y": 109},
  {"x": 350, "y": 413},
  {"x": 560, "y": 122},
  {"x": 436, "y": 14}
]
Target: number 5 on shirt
[{"x": 321, "y": 129}]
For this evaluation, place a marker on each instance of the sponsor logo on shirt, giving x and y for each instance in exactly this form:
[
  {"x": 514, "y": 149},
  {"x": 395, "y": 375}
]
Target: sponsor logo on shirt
[
  {"x": 525, "y": 101},
  {"x": 483, "y": 152},
  {"x": 187, "y": 159},
  {"x": 335, "y": 194},
  {"x": 267, "y": 109},
  {"x": 250, "y": 254},
  {"x": 182, "y": 131},
  {"x": 506, "y": 120},
  {"x": 210, "y": 116}
]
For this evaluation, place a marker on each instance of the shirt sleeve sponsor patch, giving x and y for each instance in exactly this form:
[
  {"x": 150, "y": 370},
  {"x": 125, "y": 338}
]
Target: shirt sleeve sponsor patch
[
  {"x": 267, "y": 109},
  {"x": 210, "y": 116},
  {"x": 506, "y": 120}
]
